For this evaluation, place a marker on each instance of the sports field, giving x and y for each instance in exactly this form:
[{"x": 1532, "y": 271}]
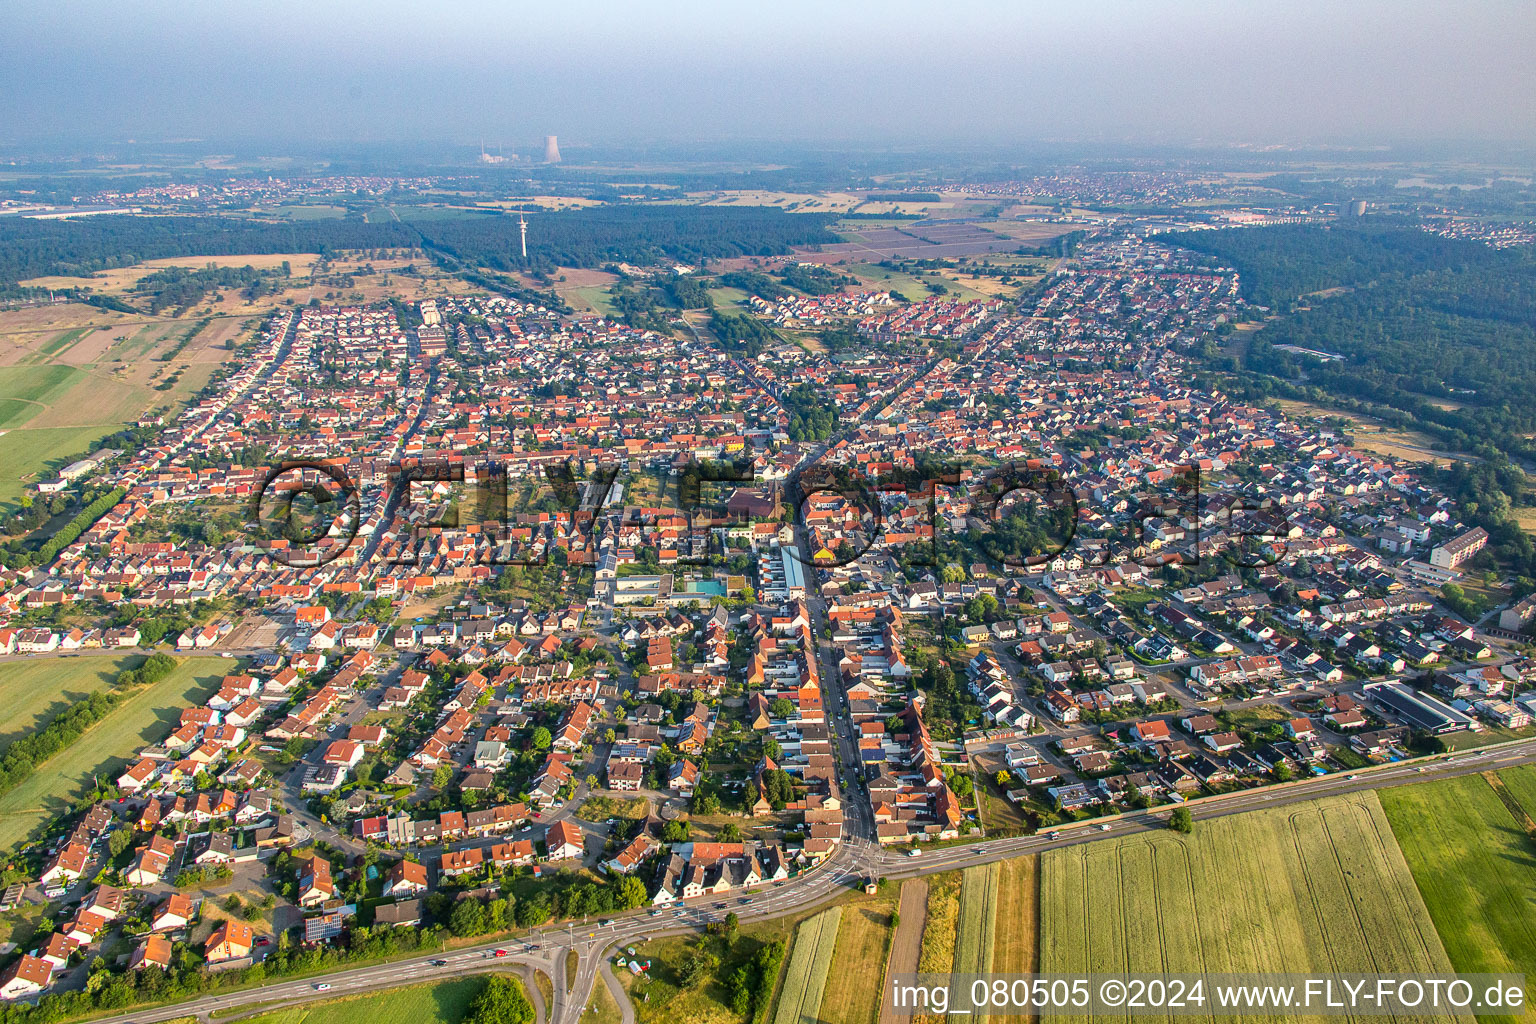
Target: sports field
[
  {"x": 144, "y": 718},
  {"x": 1317, "y": 887},
  {"x": 33, "y": 691},
  {"x": 1475, "y": 867},
  {"x": 443, "y": 1002}
]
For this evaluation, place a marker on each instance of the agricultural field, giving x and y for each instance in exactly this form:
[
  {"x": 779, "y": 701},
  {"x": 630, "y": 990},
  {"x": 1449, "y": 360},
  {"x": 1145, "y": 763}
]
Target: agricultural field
[
  {"x": 121, "y": 279},
  {"x": 858, "y": 962},
  {"x": 146, "y": 717},
  {"x": 978, "y": 920},
  {"x": 809, "y": 963},
  {"x": 1015, "y": 943},
  {"x": 73, "y": 375},
  {"x": 1475, "y": 867},
  {"x": 444, "y": 1002},
  {"x": 1521, "y": 784},
  {"x": 33, "y": 692},
  {"x": 976, "y": 931},
  {"x": 1317, "y": 887},
  {"x": 940, "y": 933},
  {"x": 911, "y": 284}
]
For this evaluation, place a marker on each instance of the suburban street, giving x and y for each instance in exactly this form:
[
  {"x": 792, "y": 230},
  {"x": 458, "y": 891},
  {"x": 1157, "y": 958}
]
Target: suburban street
[{"x": 848, "y": 868}]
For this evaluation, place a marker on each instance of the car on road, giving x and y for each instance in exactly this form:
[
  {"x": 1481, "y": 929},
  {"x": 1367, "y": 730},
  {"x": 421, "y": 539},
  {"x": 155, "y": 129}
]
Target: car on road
[
  {"x": 655, "y": 912},
  {"x": 439, "y": 963},
  {"x": 1105, "y": 827},
  {"x": 679, "y": 913},
  {"x": 501, "y": 952},
  {"x": 322, "y": 987},
  {"x": 978, "y": 849},
  {"x": 1350, "y": 778},
  {"x": 226, "y": 654},
  {"x": 1053, "y": 835},
  {"x": 264, "y": 941},
  {"x": 914, "y": 852},
  {"x": 745, "y": 900}
]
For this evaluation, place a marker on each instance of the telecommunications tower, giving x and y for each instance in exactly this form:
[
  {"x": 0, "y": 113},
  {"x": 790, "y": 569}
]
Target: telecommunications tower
[{"x": 522, "y": 225}]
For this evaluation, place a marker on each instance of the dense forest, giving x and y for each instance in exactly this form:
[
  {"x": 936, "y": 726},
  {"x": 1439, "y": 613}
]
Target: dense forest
[
  {"x": 183, "y": 288},
  {"x": 742, "y": 334},
  {"x": 1435, "y": 333},
  {"x": 643, "y": 235},
  {"x": 815, "y": 280},
  {"x": 590, "y": 237},
  {"x": 754, "y": 283},
  {"x": 1278, "y": 265},
  {"x": 38, "y": 248}
]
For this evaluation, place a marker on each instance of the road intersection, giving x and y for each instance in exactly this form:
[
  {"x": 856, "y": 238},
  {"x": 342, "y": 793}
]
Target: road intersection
[{"x": 856, "y": 861}]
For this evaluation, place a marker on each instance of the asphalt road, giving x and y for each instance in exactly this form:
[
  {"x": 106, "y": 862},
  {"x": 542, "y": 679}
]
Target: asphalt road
[{"x": 856, "y": 860}]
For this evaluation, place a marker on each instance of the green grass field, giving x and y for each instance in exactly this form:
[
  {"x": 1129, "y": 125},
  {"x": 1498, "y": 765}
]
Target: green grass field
[
  {"x": 978, "y": 920},
  {"x": 1475, "y": 867},
  {"x": 144, "y": 718},
  {"x": 27, "y": 454},
  {"x": 443, "y": 1002},
  {"x": 592, "y": 296},
  {"x": 976, "y": 930},
  {"x": 33, "y": 692},
  {"x": 809, "y": 963},
  {"x": 28, "y": 390},
  {"x": 912, "y": 286},
  {"x": 1320, "y": 886},
  {"x": 1521, "y": 783}
]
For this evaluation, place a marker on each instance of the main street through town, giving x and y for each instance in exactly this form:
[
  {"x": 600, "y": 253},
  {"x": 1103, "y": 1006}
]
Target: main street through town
[{"x": 856, "y": 861}]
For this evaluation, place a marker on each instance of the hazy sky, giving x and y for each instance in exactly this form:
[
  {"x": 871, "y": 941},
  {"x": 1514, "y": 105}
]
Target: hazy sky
[{"x": 625, "y": 72}]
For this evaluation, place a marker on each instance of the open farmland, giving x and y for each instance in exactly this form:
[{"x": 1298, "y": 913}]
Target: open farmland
[
  {"x": 1474, "y": 866},
  {"x": 978, "y": 920},
  {"x": 975, "y": 933},
  {"x": 1015, "y": 943},
  {"x": 809, "y": 963},
  {"x": 33, "y": 692},
  {"x": 443, "y": 1002},
  {"x": 78, "y": 375},
  {"x": 1521, "y": 784},
  {"x": 940, "y": 930},
  {"x": 858, "y": 962},
  {"x": 1317, "y": 887},
  {"x": 147, "y": 716}
]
